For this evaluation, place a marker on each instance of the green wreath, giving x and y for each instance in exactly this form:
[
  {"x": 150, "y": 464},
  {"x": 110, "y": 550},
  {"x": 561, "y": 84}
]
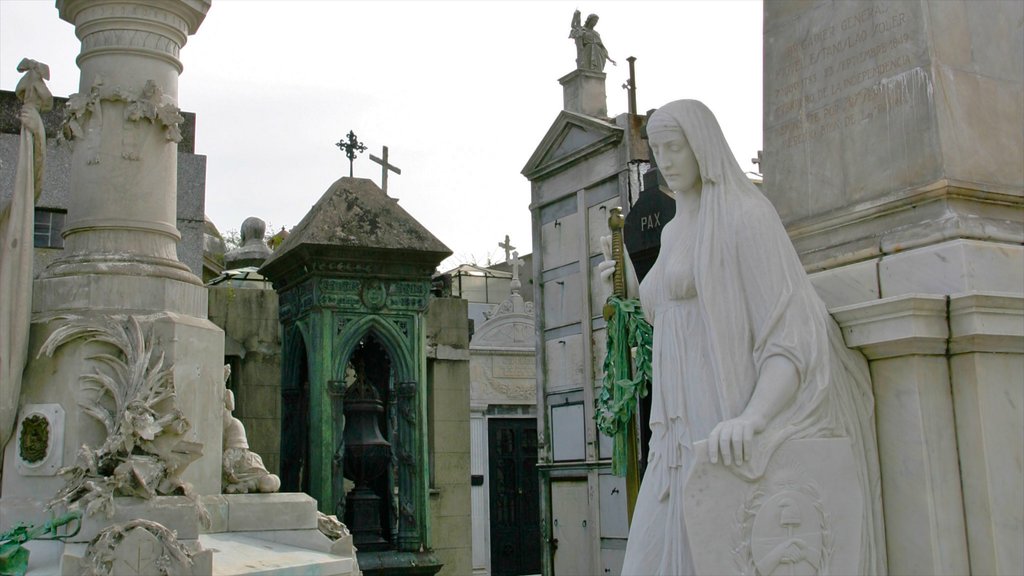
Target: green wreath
[{"x": 623, "y": 387}]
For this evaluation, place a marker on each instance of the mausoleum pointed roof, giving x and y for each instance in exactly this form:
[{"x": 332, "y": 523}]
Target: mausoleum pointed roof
[{"x": 356, "y": 221}]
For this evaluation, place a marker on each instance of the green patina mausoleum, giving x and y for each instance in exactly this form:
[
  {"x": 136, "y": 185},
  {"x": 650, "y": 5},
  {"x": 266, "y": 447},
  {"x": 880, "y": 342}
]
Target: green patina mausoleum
[{"x": 354, "y": 279}]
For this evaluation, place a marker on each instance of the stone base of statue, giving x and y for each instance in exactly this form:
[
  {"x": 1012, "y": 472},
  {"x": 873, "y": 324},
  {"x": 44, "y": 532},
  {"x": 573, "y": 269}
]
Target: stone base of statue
[
  {"x": 158, "y": 380},
  {"x": 802, "y": 517},
  {"x": 584, "y": 93},
  {"x": 248, "y": 534}
]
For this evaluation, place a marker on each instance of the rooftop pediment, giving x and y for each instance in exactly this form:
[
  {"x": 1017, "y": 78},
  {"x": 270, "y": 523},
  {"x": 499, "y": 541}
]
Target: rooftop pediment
[{"x": 571, "y": 137}]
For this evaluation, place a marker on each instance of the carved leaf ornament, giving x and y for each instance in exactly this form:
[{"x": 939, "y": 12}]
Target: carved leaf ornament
[
  {"x": 139, "y": 547},
  {"x": 132, "y": 394}
]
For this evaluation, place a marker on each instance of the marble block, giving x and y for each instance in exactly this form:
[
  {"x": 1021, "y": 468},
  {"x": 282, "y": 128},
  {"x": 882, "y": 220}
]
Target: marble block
[
  {"x": 282, "y": 511},
  {"x": 808, "y": 501},
  {"x": 238, "y": 554}
]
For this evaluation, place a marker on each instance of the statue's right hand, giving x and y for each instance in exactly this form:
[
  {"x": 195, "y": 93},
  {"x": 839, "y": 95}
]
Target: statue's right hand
[
  {"x": 606, "y": 268},
  {"x": 31, "y": 121}
]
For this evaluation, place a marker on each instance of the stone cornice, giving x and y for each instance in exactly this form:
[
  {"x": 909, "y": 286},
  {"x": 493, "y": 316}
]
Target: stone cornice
[
  {"x": 898, "y": 326},
  {"x": 156, "y": 28},
  {"x": 930, "y": 324},
  {"x": 986, "y": 322}
]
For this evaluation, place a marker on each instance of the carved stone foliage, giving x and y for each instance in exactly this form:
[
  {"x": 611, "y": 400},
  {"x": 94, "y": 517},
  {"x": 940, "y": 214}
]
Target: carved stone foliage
[
  {"x": 373, "y": 294},
  {"x": 137, "y": 547},
  {"x": 131, "y": 393},
  {"x": 150, "y": 107}
]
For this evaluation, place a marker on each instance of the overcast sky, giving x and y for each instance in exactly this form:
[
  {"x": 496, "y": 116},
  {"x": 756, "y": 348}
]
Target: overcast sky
[{"x": 461, "y": 93}]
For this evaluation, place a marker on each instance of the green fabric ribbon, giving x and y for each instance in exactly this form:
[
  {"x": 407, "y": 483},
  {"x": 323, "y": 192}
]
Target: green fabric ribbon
[{"x": 624, "y": 384}]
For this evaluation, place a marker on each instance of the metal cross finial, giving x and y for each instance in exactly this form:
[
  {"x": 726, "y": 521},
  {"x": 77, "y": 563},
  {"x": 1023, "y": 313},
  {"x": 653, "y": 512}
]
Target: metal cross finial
[
  {"x": 351, "y": 147},
  {"x": 508, "y": 249},
  {"x": 384, "y": 167}
]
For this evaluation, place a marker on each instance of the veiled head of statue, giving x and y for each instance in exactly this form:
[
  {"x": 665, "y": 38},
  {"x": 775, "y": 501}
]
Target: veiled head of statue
[{"x": 700, "y": 129}]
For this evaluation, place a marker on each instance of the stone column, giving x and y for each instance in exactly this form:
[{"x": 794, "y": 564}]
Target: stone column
[
  {"x": 479, "y": 496},
  {"x": 986, "y": 348},
  {"x": 904, "y": 338},
  {"x": 120, "y": 267},
  {"x": 124, "y": 127},
  {"x": 950, "y": 410}
]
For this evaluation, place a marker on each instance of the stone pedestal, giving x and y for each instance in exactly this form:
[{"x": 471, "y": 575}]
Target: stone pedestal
[
  {"x": 584, "y": 93},
  {"x": 892, "y": 153},
  {"x": 890, "y": 125},
  {"x": 249, "y": 533},
  {"x": 946, "y": 374},
  {"x": 118, "y": 317},
  {"x": 120, "y": 255}
]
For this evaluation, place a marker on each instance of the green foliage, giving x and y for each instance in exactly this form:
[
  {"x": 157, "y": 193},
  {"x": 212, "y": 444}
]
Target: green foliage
[{"x": 626, "y": 378}]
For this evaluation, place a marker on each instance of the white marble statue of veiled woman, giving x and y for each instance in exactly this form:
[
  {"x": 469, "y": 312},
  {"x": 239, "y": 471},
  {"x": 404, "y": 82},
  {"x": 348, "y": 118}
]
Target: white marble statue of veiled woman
[
  {"x": 16, "y": 224},
  {"x": 744, "y": 352}
]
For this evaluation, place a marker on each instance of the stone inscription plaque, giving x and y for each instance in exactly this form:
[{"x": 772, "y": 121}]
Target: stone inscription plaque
[
  {"x": 515, "y": 367},
  {"x": 848, "y": 104}
]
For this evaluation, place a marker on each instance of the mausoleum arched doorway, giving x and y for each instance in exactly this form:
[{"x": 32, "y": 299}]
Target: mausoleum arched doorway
[{"x": 295, "y": 414}]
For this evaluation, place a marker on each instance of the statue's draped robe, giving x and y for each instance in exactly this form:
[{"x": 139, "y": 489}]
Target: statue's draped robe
[
  {"x": 749, "y": 299},
  {"x": 17, "y": 219}
]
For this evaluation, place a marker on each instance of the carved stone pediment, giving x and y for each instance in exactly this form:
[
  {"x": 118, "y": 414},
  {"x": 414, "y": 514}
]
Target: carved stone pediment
[
  {"x": 509, "y": 331},
  {"x": 497, "y": 378},
  {"x": 571, "y": 137}
]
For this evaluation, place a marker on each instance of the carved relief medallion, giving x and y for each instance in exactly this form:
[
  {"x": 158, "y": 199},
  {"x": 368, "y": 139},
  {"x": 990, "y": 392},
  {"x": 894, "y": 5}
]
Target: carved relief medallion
[
  {"x": 40, "y": 440},
  {"x": 374, "y": 294},
  {"x": 34, "y": 438},
  {"x": 784, "y": 530}
]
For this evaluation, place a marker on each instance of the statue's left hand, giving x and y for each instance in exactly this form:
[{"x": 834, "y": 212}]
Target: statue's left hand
[
  {"x": 31, "y": 121},
  {"x": 733, "y": 439}
]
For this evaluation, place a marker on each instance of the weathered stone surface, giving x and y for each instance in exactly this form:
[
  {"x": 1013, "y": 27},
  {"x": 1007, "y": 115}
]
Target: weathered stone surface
[
  {"x": 353, "y": 216},
  {"x": 191, "y": 178},
  {"x": 806, "y": 505},
  {"x": 282, "y": 511},
  {"x": 245, "y": 554},
  {"x": 874, "y": 110},
  {"x": 253, "y": 251}
]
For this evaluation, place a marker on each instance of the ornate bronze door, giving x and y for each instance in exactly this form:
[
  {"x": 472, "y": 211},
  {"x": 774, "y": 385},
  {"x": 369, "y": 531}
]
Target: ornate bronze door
[{"x": 515, "y": 529}]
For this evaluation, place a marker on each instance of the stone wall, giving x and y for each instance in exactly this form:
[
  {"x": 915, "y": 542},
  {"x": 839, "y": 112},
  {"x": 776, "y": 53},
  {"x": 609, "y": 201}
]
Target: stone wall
[
  {"x": 248, "y": 317},
  {"x": 448, "y": 383}
]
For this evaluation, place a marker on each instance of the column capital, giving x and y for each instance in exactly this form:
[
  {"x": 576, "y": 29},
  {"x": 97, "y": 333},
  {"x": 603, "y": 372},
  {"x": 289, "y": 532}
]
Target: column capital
[
  {"x": 898, "y": 326},
  {"x": 986, "y": 322},
  {"x": 157, "y": 28}
]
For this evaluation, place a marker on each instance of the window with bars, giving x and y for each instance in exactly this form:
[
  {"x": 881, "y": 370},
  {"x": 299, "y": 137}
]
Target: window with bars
[{"x": 48, "y": 226}]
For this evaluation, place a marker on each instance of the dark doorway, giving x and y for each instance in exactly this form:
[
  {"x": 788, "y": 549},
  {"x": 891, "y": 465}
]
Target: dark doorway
[
  {"x": 515, "y": 530},
  {"x": 295, "y": 421}
]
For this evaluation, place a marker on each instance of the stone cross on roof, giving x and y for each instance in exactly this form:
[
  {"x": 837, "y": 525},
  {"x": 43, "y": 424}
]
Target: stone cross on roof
[
  {"x": 384, "y": 167},
  {"x": 508, "y": 248},
  {"x": 516, "y": 262},
  {"x": 351, "y": 147}
]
